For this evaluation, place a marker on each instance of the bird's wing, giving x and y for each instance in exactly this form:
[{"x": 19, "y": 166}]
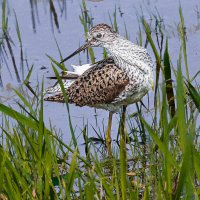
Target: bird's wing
[
  {"x": 100, "y": 84},
  {"x": 68, "y": 77}
]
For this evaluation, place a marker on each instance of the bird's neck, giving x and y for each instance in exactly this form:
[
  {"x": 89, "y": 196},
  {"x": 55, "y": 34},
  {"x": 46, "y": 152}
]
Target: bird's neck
[{"x": 126, "y": 53}]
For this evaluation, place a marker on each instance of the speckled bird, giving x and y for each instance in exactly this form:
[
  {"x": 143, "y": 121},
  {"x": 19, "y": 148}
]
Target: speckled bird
[{"x": 121, "y": 79}]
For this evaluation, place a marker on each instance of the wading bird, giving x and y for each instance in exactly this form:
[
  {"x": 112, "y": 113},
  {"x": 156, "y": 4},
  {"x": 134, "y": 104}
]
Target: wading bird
[{"x": 113, "y": 83}]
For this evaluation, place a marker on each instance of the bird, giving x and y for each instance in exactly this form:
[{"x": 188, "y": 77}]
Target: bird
[{"x": 112, "y": 83}]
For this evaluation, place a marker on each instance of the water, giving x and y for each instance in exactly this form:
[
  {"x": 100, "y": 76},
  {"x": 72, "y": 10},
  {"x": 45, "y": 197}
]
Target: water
[{"x": 39, "y": 30}]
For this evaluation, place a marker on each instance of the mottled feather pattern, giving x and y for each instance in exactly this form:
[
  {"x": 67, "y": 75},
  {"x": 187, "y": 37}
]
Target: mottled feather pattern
[
  {"x": 101, "y": 85},
  {"x": 69, "y": 77}
]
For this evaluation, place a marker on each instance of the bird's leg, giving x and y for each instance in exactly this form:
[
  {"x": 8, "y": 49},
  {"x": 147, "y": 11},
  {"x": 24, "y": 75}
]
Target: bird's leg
[{"x": 108, "y": 134}]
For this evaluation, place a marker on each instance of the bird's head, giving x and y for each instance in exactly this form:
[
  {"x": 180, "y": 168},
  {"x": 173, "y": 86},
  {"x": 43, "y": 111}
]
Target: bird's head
[{"x": 99, "y": 35}]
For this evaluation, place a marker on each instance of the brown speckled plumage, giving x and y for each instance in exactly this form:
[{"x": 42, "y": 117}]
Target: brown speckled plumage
[{"x": 99, "y": 85}]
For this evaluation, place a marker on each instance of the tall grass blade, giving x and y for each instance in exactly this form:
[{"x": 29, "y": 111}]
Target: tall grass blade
[
  {"x": 71, "y": 176},
  {"x": 1, "y": 81},
  {"x": 66, "y": 102},
  {"x": 162, "y": 146},
  {"x": 27, "y": 84},
  {"x": 104, "y": 179},
  {"x": 19, "y": 117},
  {"x": 195, "y": 96},
  {"x": 5, "y": 35},
  {"x": 123, "y": 167},
  {"x": 126, "y": 32},
  {"x": 180, "y": 91},
  {"x": 41, "y": 130},
  {"x": 167, "y": 166},
  {"x": 20, "y": 41},
  {"x": 115, "y": 20},
  {"x": 89, "y": 190},
  {"x": 4, "y": 17},
  {"x": 186, "y": 177},
  {"x": 53, "y": 11},
  {"x": 196, "y": 162},
  {"x": 61, "y": 66},
  {"x": 123, "y": 155},
  {"x": 158, "y": 61},
  {"x": 26, "y": 81},
  {"x": 27, "y": 104},
  {"x": 148, "y": 34},
  {"x": 86, "y": 21},
  {"x": 18, "y": 29},
  {"x": 12, "y": 57},
  {"x": 33, "y": 15},
  {"x": 168, "y": 81},
  {"x": 183, "y": 41},
  {"x": 2, "y": 165}
]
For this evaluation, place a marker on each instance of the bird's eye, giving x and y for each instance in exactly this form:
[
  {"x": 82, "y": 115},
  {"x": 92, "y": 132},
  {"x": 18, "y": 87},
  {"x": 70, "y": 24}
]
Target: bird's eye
[{"x": 99, "y": 35}]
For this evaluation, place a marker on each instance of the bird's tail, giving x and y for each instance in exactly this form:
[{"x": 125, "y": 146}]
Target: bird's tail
[
  {"x": 53, "y": 93},
  {"x": 55, "y": 98}
]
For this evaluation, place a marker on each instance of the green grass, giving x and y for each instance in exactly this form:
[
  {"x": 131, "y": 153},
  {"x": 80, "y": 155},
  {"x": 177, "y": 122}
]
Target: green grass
[{"x": 163, "y": 157}]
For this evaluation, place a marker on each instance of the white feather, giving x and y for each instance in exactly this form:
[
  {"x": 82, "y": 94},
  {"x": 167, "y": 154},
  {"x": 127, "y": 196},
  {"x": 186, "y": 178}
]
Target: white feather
[{"x": 80, "y": 69}]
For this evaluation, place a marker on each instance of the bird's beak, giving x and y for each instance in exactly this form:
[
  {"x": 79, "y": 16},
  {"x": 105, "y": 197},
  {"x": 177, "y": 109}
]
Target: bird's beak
[{"x": 81, "y": 48}]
